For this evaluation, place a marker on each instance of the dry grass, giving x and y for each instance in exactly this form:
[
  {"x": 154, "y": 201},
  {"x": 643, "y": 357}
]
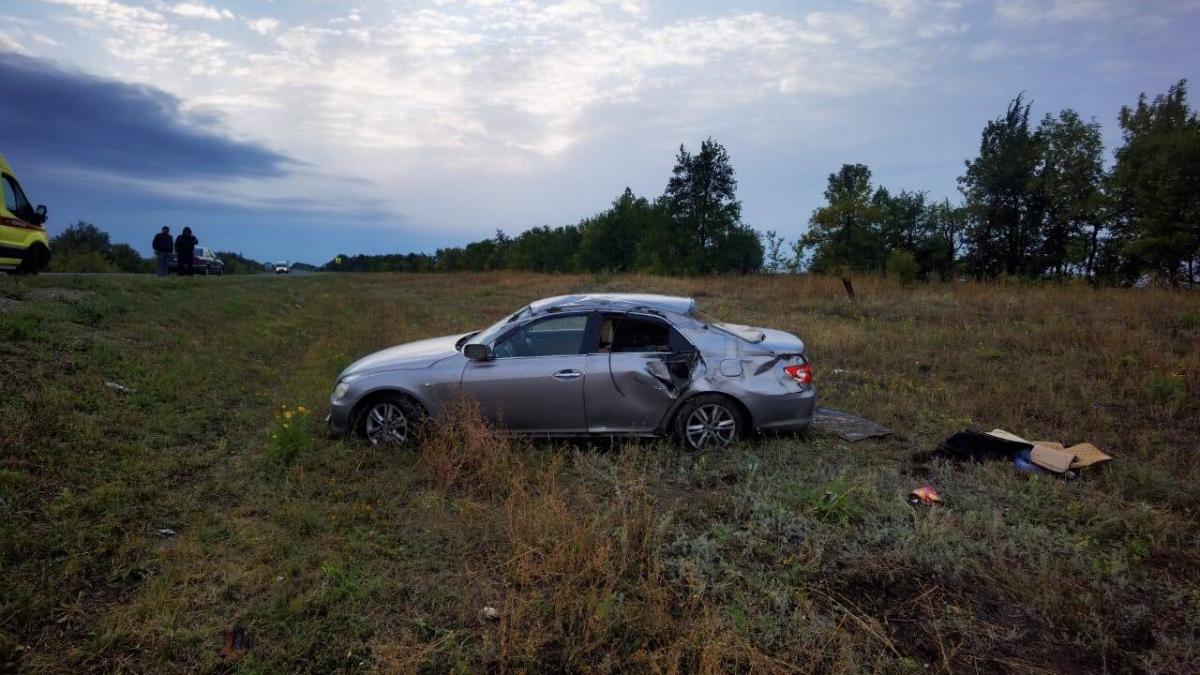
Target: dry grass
[{"x": 785, "y": 555}]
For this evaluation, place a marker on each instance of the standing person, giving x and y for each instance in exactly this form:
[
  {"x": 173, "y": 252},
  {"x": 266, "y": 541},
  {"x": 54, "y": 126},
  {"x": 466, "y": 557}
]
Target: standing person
[
  {"x": 185, "y": 246},
  {"x": 162, "y": 249}
]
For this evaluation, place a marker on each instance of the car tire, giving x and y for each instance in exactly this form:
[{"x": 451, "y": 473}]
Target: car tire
[
  {"x": 33, "y": 261},
  {"x": 389, "y": 419},
  {"x": 709, "y": 421}
]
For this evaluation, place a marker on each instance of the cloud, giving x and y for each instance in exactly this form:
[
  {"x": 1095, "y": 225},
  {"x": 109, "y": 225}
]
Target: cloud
[
  {"x": 198, "y": 11},
  {"x": 114, "y": 130},
  {"x": 263, "y": 26}
]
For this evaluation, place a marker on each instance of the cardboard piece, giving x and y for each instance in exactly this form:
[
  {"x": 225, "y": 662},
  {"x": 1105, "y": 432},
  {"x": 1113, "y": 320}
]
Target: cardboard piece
[
  {"x": 1086, "y": 454},
  {"x": 1000, "y": 433},
  {"x": 1051, "y": 458}
]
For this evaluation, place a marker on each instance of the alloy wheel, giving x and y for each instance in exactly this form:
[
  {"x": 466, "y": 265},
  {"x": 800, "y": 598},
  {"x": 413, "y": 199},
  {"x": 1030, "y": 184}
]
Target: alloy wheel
[
  {"x": 387, "y": 424},
  {"x": 710, "y": 424}
]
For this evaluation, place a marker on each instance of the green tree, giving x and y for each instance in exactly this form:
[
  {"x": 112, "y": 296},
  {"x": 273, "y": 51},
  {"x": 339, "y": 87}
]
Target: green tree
[
  {"x": 609, "y": 240},
  {"x": 1069, "y": 184},
  {"x": 83, "y": 247},
  {"x": 777, "y": 259},
  {"x": 1156, "y": 183},
  {"x": 704, "y": 217},
  {"x": 81, "y": 237},
  {"x": 946, "y": 225},
  {"x": 1000, "y": 191},
  {"x": 844, "y": 234}
]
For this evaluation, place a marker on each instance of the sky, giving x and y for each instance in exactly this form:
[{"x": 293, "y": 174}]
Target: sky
[{"x": 300, "y": 129}]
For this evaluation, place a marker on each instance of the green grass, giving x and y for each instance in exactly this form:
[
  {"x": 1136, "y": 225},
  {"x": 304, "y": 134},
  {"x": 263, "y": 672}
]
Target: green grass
[{"x": 784, "y": 554}]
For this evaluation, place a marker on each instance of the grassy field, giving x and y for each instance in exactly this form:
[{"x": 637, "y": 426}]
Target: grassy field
[{"x": 784, "y": 554}]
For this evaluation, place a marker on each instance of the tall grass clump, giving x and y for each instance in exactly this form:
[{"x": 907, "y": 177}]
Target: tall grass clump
[{"x": 462, "y": 453}]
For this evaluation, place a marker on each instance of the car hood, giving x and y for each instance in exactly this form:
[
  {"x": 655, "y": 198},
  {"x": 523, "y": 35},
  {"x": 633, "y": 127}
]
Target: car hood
[{"x": 408, "y": 356}]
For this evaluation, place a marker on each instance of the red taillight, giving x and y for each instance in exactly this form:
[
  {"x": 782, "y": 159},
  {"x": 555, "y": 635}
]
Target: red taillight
[{"x": 801, "y": 372}]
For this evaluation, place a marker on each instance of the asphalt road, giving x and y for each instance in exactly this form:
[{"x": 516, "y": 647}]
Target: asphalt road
[{"x": 293, "y": 273}]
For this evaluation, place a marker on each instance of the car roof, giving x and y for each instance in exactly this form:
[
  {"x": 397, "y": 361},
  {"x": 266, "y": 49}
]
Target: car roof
[
  {"x": 615, "y": 301},
  {"x": 4, "y": 166}
]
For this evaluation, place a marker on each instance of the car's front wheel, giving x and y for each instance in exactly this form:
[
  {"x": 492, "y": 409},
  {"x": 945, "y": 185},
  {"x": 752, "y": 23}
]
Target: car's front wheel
[
  {"x": 709, "y": 421},
  {"x": 388, "y": 420}
]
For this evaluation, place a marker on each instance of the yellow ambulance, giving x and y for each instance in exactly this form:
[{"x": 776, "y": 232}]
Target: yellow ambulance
[{"x": 24, "y": 246}]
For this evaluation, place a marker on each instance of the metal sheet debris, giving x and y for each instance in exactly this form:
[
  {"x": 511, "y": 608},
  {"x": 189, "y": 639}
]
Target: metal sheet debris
[{"x": 846, "y": 426}]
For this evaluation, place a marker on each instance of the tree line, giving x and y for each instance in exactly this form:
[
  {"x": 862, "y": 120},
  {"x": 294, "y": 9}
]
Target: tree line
[
  {"x": 694, "y": 227},
  {"x": 1037, "y": 202}
]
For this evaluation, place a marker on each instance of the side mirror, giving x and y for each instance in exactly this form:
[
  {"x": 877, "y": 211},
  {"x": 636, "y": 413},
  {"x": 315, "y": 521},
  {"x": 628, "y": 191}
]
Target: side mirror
[
  {"x": 41, "y": 214},
  {"x": 477, "y": 352}
]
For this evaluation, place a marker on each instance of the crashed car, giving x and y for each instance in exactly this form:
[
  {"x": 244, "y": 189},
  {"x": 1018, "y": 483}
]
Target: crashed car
[{"x": 589, "y": 365}]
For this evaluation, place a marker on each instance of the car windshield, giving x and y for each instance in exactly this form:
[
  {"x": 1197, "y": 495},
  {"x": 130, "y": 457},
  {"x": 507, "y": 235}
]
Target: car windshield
[{"x": 489, "y": 334}]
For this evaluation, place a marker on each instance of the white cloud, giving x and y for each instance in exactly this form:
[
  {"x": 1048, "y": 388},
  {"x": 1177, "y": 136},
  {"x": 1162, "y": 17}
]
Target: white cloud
[
  {"x": 263, "y": 26},
  {"x": 481, "y": 87},
  {"x": 11, "y": 44},
  {"x": 198, "y": 11},
  {"x": 1035, "y": 11}
]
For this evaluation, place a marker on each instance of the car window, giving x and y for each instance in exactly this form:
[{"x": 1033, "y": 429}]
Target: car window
[
  {"x": 623, "y": 333},
  {"x": 552, "y": 336},
  {"x": 14, "y": 198}
]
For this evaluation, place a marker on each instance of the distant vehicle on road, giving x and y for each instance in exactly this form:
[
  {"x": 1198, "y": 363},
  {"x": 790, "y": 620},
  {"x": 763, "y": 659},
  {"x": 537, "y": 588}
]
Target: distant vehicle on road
[
  {"x": 281, "y": 267},
  {"x": 204, "y": 260},
  {"x": 589, "y": 365},
  {"x": 24, "y": 245}
]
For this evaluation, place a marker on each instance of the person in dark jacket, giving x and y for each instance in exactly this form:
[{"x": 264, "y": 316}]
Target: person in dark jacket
[
  {"x": 185, "y": 246},
  {"x": 162, "y": 249}
]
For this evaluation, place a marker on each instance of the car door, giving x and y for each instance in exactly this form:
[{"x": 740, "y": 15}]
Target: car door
[
  {"x": 534, "y": 382},
  {"x": 13, "y": 229},
  {"x": 633, "y": 374}
]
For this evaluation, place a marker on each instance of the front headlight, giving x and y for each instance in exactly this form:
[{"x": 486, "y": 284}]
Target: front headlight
[{"x": 340, "y": 390}]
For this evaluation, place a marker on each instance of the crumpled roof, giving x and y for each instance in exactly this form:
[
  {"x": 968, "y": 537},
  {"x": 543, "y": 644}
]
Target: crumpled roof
[{"x": 615, "y": 301}]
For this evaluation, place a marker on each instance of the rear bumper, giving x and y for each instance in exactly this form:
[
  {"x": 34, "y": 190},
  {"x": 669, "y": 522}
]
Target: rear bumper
[{"x": 787, "y": 412}]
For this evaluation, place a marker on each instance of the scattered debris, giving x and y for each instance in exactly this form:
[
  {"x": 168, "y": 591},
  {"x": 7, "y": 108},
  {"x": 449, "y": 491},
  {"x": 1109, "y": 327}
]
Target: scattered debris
[
  {"x": 279, "y": 578},
  {"x": 924, "y": 495},
  {"x": 1027, "y": 456},
  {"x": 489, "y": 614},
  {"x": 166, "y": 532},
  {"x": 846, "y": 426},
  {"x": 117, "y": 386},
  {"x": 237, "y": 641}
]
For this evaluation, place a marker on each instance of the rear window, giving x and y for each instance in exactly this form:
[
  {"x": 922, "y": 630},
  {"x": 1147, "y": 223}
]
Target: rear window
[{"x": 747, "y": 333}]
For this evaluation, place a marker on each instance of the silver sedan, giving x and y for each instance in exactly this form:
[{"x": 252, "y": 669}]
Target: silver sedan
[{"x": 589, "y": 365}]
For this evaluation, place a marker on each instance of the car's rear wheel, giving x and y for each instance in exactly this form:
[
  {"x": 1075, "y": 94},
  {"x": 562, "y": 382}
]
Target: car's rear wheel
[
  {"x": 709, "y": 421},
  {"x": 389, "y": 420}
]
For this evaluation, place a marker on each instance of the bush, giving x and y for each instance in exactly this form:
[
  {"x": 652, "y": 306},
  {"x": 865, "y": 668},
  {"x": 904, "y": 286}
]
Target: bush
[
  {"x": 903, "y": 265},
  {"x": 80, "y": 261},
  {"x": 1165, "y": 388}
]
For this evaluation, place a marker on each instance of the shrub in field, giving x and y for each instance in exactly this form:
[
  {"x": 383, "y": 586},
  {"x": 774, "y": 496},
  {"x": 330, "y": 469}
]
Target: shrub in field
[
  {"x": 291, "y": 435},
  {"x": 1165, "y": 388},
  {"x": 903, "y": 265}
]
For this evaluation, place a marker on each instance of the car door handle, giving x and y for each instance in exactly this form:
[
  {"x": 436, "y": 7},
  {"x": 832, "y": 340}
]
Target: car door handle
[{"x": 566, "y": 374}]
